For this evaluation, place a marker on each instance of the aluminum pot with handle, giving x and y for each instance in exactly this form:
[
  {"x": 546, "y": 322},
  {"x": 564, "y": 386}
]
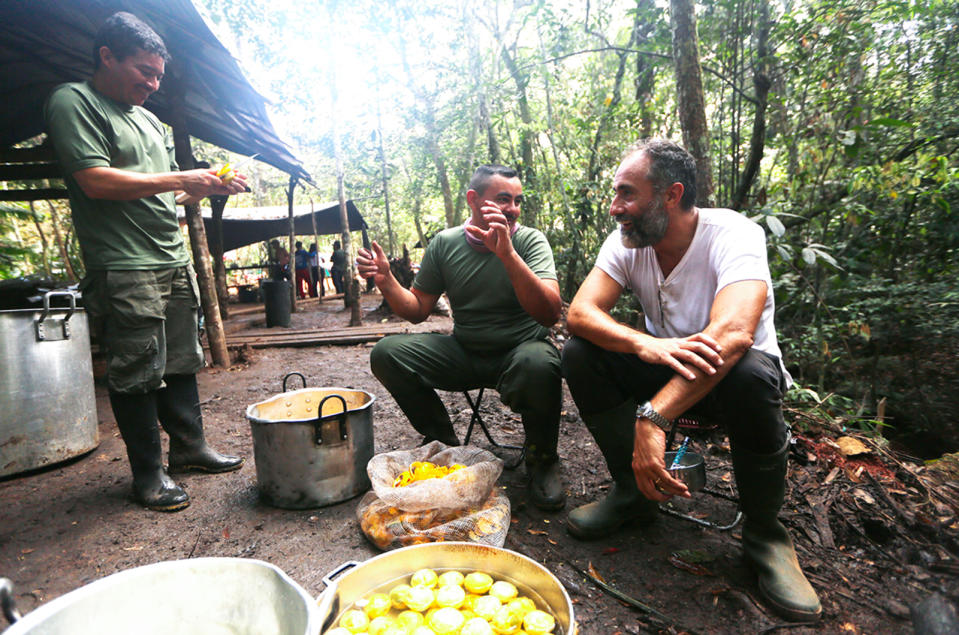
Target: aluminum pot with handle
[
  {"x": 199, "y": 596},
  {"x": 46, "y": 386},
  {"x": 353, "y": 580}
]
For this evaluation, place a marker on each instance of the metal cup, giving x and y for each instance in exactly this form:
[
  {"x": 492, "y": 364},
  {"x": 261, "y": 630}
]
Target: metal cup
[{"x": 691, "y": 470}]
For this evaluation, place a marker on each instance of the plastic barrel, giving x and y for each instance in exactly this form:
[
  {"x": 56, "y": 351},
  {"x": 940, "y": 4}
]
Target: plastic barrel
[{"x": 276, "y": 298}]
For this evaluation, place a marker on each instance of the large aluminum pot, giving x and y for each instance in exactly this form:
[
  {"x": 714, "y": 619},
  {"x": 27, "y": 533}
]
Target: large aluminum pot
[
  {"x": 202, "y": 596},
  {"x": 352, "y": 581},
  {"x": 46, "y": 386},
  {"x": 311, "y": 446}
]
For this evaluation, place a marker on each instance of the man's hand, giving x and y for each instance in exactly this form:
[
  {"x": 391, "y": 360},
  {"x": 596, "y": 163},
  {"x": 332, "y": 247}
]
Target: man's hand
[
  {"x": 649, "y": 466},
  {"x": 497, "y": 237},
  {"x": 699, "y": 350},
  {"x": 373, "y": 263},
  {"x": 204, "y": 182}
]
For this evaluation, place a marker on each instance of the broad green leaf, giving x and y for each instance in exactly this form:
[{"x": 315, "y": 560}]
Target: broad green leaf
[
  {"x": 809, "y": 256},
  {"x": 776, "y": 226}
]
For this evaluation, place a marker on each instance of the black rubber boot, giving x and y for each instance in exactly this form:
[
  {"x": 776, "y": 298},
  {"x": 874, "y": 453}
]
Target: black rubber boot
[
  {"x": 613, "y": 431},
  {"x": 178, "y": 406},
  {"x": 136, "y": 417},
  {"x": 545, "y": 487},
  {"x": 767, "y": 547}
]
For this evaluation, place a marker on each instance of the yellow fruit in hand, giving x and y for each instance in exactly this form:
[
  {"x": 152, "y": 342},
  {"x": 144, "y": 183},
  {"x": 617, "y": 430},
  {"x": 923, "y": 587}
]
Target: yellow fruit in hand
[
  {"x": 424, "y": 577},
  {"x": 539, "y": 622},
  {"x": 446, "y": 620},
  {"x": 477, "y": 582}
]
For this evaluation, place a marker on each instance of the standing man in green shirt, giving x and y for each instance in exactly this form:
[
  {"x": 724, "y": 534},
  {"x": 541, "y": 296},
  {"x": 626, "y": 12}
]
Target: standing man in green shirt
[
  {"x": 501, "y": 283},
  {"x": 140, "y": 288}
]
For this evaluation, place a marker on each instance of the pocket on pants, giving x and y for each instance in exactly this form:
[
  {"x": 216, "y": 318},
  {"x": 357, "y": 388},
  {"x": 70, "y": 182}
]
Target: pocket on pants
[{"x": 135, "y": 365}]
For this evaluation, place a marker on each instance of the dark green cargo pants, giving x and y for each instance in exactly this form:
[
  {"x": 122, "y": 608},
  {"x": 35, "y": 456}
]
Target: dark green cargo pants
[
  {"x": 146, "y": 323},
  {"x": 527, "y": 377}
]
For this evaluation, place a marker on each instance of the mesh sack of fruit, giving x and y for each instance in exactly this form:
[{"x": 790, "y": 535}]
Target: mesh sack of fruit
[
  {"x": 434, "y": 477},
  {"x": 388, "y": 527}
]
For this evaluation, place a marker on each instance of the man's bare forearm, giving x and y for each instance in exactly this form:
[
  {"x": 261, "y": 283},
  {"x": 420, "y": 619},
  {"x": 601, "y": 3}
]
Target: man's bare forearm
[{"x": 539, "y": 297}]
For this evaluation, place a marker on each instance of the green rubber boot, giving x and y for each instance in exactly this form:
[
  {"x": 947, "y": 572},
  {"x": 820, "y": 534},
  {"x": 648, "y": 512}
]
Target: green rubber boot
[
  {"x": 613, "y": 431},
  {"x": 767, "y": 547}
]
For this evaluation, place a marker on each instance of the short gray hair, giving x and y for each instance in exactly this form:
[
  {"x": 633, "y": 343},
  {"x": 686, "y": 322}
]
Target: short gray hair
[{"x": 668, "y": 163}]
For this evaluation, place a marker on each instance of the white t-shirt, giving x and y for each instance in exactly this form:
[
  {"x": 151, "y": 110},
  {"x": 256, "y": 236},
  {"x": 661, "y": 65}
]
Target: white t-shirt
[{"x": 727, "y": 248}]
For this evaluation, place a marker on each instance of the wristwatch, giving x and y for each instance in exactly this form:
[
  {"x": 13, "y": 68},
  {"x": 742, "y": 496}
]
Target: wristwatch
[{"x": 646, "y": 411}]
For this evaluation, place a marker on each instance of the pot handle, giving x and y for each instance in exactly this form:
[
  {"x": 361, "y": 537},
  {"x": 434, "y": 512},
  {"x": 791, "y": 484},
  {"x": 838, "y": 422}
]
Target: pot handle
[
  {"x": 58, "y": 329},
  {"x": 6, "y": 601},
  {"x": 318, "y": 424},
  {"x": 288, "y": 375},
  {"x": 327, "y": 602}
]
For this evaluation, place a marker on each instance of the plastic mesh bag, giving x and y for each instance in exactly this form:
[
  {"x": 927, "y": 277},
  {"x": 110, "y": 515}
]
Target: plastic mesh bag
[
  {"x": 468, "y": 488},
  {"x": 390, "y": 528}
]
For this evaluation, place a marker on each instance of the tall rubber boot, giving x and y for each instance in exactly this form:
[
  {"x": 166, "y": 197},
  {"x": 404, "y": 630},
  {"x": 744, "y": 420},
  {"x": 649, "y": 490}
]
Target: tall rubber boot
[
  {"x": 136, "y": 417},
  {"x": 545, "y": 485},
  {"x": 767, "y": 547},
  {"x": 613, "y": 431},
  {"x": 178, "y": 406}
]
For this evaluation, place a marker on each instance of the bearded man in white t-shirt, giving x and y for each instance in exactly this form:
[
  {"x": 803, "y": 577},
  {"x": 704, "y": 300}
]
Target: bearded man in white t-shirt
[{"x": 709, "y": 345}]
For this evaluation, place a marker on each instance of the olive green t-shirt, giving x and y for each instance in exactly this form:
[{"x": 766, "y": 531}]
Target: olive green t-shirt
[
  {"x": 89, "y": 130},
  {"x": 487, "y": 315}
]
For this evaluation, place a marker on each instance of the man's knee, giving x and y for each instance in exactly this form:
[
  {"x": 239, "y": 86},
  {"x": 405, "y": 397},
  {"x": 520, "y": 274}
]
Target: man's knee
[
  {"x": 581, "y": 362},
  {"x": 538, "y": 360},
  {"x": 384, "y": 353}
]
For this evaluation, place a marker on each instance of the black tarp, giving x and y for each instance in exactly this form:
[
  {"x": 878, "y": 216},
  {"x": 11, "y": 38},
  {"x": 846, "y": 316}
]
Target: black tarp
[
  {"x": 239, "y": 232},
  {"x": 47, "y": 42}
]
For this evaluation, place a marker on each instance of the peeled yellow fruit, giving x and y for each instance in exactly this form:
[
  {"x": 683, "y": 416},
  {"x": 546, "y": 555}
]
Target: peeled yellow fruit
[
  {"x": 379, "y": 625},
  {"x": 409, "y": 620},
  {"x": 446, "y": 620},
  {"x": 450, "y": 595},
  {"x": 451, "y": 577},
  {"x": 424, "y": 577},
  {"x": 522, "y": 605},
  {"x": 420, "y": 598},
  {"x": 477, "y": 582},
  {"x": 477, "y": 626},
  {"x": 398, "y": 595},
  {"x": 354, "y": 621},
  {"x": 503, "y": 590},
  {"x": 377, "y": 604},
  {"x": 423, "y": 630},
  {"x": 486, "y": 606},
  {"x": 506, "y": 622},
  {"x": 538, "y": 622}
]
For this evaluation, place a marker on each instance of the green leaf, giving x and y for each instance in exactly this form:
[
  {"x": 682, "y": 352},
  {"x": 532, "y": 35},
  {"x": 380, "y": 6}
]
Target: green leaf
[
  {"x": 889, "y": 121},
  {"x": 809, "y": 256},
  {"x": 775, "y": 226}
]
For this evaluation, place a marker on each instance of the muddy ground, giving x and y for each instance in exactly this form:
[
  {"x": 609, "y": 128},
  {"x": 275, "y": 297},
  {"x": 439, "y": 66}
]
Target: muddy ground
[{"x": 64, "y": 527}]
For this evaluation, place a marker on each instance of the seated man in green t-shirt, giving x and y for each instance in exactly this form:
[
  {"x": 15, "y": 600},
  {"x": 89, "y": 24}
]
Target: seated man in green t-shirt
[{"x": 501, "y": 283}]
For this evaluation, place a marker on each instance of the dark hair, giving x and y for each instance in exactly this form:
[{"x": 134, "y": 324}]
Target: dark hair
[
  {"x": 336, "y": 244},
  {"x": 299, "y": 244},
  {"x": 669, "y": 163},
  {"x": 124, "y": 34},
  {"x": 485, "y": 173}
]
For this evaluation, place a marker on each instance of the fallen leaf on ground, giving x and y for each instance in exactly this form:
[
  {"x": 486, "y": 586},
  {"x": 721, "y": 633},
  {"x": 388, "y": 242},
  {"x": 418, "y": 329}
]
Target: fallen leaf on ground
[{"x": 851, "y": 446}]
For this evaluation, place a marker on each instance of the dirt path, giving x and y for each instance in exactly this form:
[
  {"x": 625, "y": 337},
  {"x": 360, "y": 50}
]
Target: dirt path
[{"x": 67, "y": 526}]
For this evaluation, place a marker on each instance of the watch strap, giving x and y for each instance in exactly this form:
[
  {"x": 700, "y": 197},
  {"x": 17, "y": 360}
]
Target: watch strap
[{"x": 648, "y": 412}]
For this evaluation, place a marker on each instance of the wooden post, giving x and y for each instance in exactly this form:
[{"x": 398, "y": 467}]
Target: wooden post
[
  {"x": 201, "y": 252},
  {"x": 217, "y": 204},
  {"x": 292, "y": 249}
]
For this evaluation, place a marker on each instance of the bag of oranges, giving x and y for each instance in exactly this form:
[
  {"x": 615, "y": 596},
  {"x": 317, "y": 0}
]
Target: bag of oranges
[{"x": 434, "y": 493}]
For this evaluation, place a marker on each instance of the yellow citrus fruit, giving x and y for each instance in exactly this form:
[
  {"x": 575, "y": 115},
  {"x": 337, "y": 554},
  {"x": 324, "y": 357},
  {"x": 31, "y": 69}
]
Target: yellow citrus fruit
[
  {"x": 477, "y": 582},
  {"x": 477, "y": 626},
  {"x": 503, "y": 590},
  {"x": 424, "y": 577},
  {"x": 354, "y": 621},
  {"x": 420, "y": 598},
  {"x": 522, "y": 605},
  {"x": 451, "y": 577},
  {"x": 446, "y": 620},
  {"x": 398, "y": 596},
  {"x": 377, "y": 604},
  {"x": 450, "y": 595},
  {"x": 379, "y": 625},
  {"x": 538, "y": 622}
]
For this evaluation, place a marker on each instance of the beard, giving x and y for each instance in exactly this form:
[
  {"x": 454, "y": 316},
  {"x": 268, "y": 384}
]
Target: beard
[{"x": 647, "y": 227}]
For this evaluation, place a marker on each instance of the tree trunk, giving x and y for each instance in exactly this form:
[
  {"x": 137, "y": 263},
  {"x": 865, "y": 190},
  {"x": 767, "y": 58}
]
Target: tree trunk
[
  {"x": 762, "y": 83},
  {"x": 291, "y": 187},
  {"x": 531, "y": 200},
  {"x": 43, "y": 239},
  {"x": 201, "y": 252},
  {"x": 61, "y": 243},
  {"x": 385, "y": 176},
  {"x": 689, "y": 94}
]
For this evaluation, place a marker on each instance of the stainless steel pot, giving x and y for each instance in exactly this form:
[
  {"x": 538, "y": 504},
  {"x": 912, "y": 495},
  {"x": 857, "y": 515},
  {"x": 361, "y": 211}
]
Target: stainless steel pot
[
  {"x": 353, "y": 580},
  {"x": 202, "y": 596},
  {"x": 311, "y": 446},
  {"x": 46, "y": 386}
]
